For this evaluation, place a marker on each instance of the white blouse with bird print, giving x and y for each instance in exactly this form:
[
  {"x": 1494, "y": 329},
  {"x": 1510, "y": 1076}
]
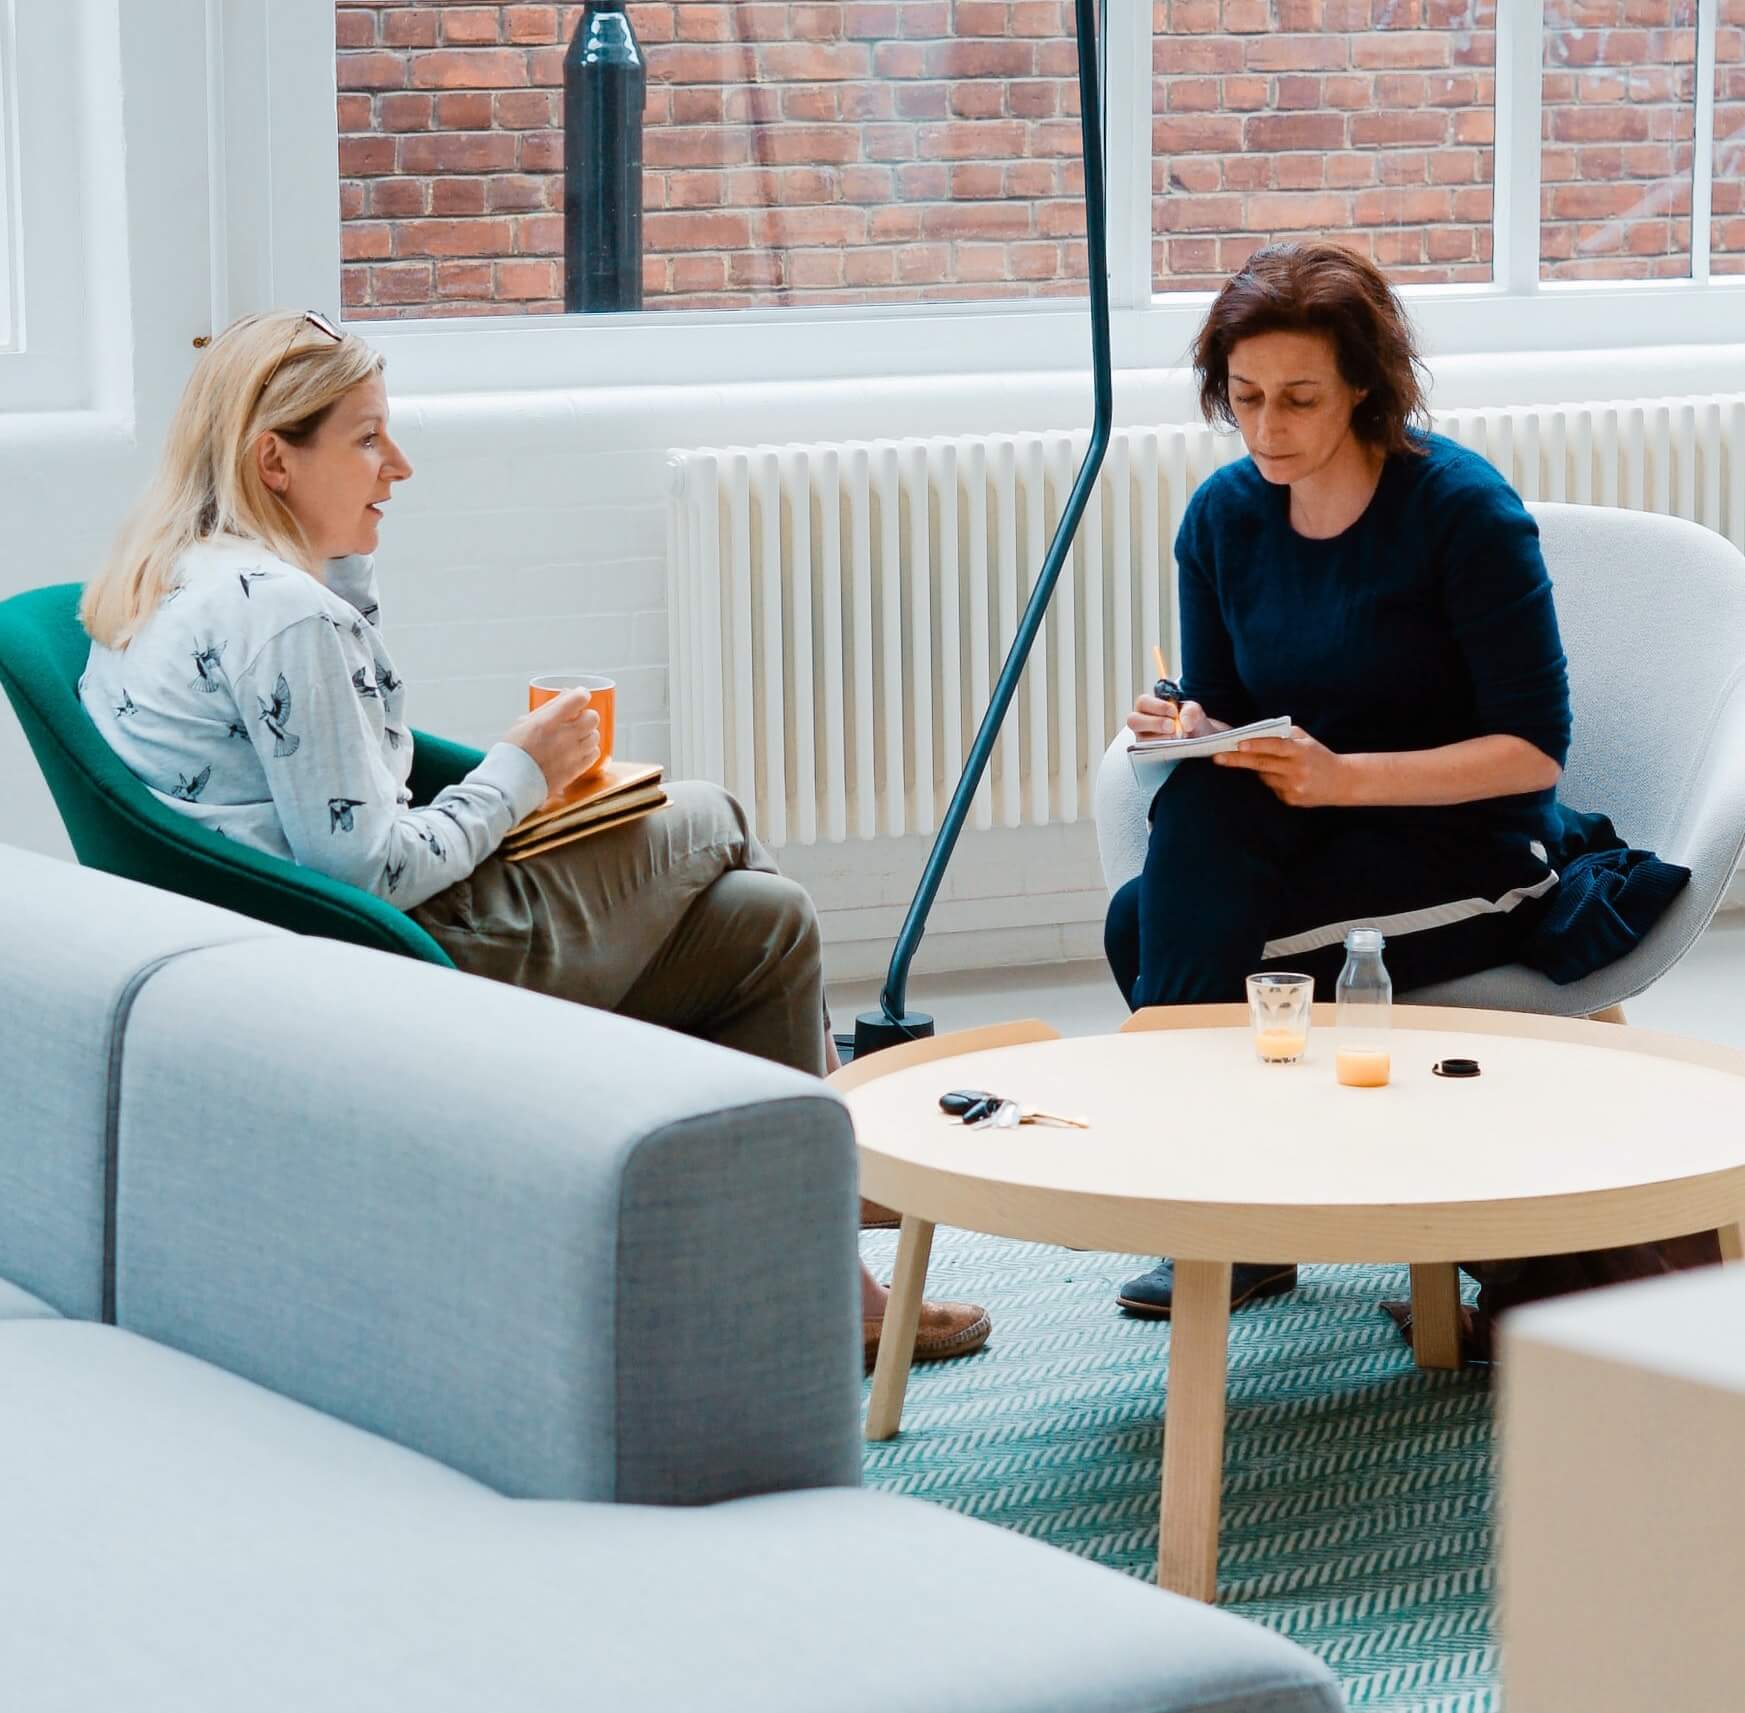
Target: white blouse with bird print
[{"x": 265, "y": 705}]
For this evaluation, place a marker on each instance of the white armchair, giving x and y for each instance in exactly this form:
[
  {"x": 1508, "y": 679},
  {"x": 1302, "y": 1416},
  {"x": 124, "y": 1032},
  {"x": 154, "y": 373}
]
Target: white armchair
[{"x": 1652, "y": 611}]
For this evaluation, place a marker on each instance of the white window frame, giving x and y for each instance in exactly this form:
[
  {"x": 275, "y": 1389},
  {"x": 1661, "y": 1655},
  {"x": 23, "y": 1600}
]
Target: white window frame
[
  {"x": 1515, "y": 313},
  {"x": 69, "y": 49},
  {"x": 11, "y": 307}
]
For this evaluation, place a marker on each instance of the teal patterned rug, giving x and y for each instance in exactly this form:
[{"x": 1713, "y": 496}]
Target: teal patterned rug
[{"x": 1357, "y": 1490}]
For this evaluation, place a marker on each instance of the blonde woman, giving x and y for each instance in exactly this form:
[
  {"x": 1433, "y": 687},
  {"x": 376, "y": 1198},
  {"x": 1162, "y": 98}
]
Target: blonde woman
[{"x": 240, "y": 670}]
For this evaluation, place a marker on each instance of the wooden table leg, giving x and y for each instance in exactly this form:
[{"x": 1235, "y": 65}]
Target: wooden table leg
[
  {"x": 884, "y": 1413},
  {"x": 1733, "y": 1241},
  {"x": 1436, "y": 1315},
  {"x": 1193, "y": 1430}
]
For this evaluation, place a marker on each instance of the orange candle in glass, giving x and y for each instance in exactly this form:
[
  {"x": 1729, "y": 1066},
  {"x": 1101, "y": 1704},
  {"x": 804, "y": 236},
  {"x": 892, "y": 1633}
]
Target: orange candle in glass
[{"x": 1362, "y": 1067}]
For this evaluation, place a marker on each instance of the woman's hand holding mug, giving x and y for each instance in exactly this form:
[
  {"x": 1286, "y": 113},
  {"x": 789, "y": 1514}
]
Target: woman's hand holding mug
[{"x": 562, "y": 735}]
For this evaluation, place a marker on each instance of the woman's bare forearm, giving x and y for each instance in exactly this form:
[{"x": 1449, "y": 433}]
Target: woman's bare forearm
[{"x": 1466, "y": 772}]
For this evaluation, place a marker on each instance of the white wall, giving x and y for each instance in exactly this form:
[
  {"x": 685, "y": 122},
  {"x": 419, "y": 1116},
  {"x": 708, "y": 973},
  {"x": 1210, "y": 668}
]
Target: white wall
[{"x": 533, "y": 535}]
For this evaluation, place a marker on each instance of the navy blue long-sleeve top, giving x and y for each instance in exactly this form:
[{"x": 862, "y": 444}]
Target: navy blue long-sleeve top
[{"x": 1427, "y": 622}]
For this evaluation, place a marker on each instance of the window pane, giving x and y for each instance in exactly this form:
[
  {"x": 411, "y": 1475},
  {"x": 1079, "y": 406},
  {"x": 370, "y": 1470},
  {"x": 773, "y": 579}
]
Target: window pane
[
  {"x": 858, "y": 151},
  {"x": 1727, "y": 229},
  {"x": 1619, "y": 118},
  {"x": 1366, "y": 120}
]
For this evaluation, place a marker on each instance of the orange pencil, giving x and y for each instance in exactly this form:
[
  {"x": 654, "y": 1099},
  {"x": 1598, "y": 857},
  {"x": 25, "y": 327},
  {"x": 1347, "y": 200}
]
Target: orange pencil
[{"x": 1162, "y": 679}]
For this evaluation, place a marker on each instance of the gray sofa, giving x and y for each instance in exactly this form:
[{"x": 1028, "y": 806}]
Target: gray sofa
[{"x": 376, "y": 1337}]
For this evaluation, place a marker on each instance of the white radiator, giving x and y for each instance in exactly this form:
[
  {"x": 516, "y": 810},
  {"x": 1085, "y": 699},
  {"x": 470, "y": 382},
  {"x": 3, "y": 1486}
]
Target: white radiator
[{"x": 839, "y": 612}]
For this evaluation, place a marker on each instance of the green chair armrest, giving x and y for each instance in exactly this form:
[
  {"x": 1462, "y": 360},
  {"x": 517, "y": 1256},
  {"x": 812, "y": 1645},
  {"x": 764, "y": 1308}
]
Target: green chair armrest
[
  {"x": 268, "y": 888},
  {"x": 134, "y": 836},
  {"x": 437, "y": 763},
  {"x": 116, "y": 825}
]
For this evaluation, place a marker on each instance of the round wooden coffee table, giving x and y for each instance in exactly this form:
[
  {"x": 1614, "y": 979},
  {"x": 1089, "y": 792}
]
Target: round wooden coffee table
[{"x": 1577, "y": 1135}]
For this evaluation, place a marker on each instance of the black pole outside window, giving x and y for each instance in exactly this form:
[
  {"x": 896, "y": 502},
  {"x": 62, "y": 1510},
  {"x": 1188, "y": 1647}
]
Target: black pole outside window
[{"x": 605, "y": 86}]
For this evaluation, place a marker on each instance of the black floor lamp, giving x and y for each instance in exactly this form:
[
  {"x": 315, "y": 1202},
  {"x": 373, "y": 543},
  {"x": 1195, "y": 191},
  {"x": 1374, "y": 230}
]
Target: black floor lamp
[{"x": 893, "y": 1023}]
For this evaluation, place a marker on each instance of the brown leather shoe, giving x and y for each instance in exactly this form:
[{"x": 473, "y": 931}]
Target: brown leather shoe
[
  {"x": 945, "y": 1330},
  {"x": 875, "y": 1216}
]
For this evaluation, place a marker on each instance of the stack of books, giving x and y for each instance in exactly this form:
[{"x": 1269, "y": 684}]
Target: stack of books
[{"x": 622, "y": 792}]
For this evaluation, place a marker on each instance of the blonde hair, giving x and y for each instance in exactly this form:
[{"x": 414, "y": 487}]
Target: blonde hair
[{"x": 276, "y": 372}]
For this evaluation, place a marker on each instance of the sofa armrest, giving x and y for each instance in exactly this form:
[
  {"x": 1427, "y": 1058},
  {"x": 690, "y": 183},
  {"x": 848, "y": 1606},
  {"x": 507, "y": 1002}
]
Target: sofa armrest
[{"x": 573, "y": 1256}]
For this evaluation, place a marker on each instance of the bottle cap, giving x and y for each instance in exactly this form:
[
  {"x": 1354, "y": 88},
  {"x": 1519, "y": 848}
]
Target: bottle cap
[{"x": 1456, "y": 1068}]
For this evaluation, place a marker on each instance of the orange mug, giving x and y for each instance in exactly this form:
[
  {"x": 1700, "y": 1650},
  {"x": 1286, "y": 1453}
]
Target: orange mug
[{"x": 602, "y": 698}]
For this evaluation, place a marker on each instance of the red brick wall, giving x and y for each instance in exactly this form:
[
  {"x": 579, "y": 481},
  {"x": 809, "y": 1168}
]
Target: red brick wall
[
  {"x": 1619, "y": 119},
  {"x": 1368, "y": 119},
  {"x": 890, "y": 150},
  {"x": 854, "y": 151}
]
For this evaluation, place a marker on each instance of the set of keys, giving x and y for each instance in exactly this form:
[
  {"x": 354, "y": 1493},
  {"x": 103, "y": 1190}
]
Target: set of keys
[{"x": 982, "y": 1111}]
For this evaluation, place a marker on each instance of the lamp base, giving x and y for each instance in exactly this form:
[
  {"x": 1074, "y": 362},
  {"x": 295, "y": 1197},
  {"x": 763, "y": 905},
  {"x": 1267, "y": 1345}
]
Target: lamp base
[{"x": 874, "y": 1031}]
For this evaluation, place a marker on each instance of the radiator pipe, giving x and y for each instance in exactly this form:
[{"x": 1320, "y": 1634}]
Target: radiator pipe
[{"x": 893, "y": 1023}]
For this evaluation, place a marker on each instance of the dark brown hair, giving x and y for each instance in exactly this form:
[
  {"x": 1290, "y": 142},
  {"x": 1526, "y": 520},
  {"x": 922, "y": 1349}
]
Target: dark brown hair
[{"x": 1327, "y": 289}]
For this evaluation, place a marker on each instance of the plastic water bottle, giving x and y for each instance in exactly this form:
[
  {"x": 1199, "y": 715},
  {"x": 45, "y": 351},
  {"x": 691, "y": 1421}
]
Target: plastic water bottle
[{"x": 1363, "y": 1027}]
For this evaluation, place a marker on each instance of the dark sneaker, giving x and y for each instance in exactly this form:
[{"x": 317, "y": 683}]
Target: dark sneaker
[{"x": 1149, "y": 1295}]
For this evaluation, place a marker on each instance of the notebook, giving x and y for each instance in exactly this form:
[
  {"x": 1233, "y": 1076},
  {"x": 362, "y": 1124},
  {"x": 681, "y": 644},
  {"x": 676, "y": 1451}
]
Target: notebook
[
  {"x": 625, "y": 791},
  {"x": 1153, "y": 759},
  {"x": 550, "y": 842}
]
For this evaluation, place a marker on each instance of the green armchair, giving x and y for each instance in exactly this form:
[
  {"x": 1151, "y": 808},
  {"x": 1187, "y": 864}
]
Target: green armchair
[{"x": 117, "y": 825}]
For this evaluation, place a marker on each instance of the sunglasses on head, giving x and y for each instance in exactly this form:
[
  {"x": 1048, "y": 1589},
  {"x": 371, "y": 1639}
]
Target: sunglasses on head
[{"x": 311, "y": 318}]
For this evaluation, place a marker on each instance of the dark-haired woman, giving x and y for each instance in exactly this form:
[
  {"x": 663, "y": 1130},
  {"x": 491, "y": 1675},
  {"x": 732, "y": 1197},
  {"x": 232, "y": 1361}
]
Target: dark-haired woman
[{"x": 1385, "y": 588}]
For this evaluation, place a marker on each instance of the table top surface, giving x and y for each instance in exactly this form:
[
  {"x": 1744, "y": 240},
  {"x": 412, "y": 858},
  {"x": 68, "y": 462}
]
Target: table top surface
[{"x": 1187, "y": 1114}]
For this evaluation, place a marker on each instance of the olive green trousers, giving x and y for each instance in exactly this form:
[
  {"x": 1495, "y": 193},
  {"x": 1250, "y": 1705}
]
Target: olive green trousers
[{"x": 679, "y": 919}]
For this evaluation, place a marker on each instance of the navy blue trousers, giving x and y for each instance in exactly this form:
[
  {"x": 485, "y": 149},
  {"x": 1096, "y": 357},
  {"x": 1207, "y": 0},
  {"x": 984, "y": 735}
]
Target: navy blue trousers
[{"x": 1236, "y": 881}]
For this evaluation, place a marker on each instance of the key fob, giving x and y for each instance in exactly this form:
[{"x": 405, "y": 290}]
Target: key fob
[{"x": 959, "y": 1101}]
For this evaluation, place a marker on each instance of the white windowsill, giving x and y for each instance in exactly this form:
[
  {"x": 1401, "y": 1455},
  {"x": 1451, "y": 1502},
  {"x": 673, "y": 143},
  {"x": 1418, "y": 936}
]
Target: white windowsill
[{"x": 700, "y": 348}]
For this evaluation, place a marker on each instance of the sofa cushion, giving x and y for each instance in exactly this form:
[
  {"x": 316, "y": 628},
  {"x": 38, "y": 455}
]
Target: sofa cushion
[
  {"x": 76, "y": 948},
  {"x": 187, "y": 1539},
  {"x": 16, "y": 1303},
  {"x": 858, "y": 1602}
]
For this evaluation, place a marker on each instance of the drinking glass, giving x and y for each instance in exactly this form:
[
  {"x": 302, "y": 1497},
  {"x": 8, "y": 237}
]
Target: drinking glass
[{"x": 1279, "y": 1006}]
